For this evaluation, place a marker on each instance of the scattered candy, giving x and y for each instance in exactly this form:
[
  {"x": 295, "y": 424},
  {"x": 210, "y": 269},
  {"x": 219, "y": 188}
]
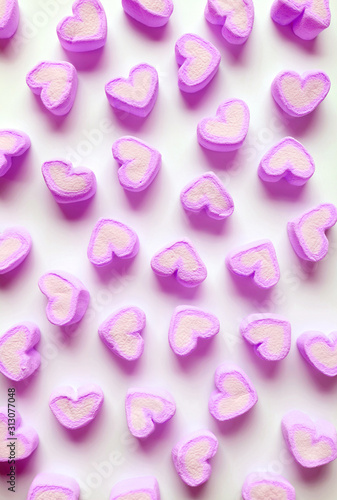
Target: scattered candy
[
  {"x": 140, "y": 488},
  {"x": 56, "y": 83},
  {"x": 9, "y": 18},
  {"x": 68, "y": 299},
  {"x": 53, "y": 487},
  {"x": 26, "y": 440},
  {"x": 137, "y": 94},
  {"x": 152, "y": 13},
  {"x": 235, "y": 16},
  {"x": 307, "y": 233},
  {"x": 12, "y": 143},
  {"x": 258, "y": 486},
  {"x": 121, "y": 333},
  {"x": 15, "y": 245},
  {"x": 320, "y": 351},
  {"x": 300, "y": 95}
]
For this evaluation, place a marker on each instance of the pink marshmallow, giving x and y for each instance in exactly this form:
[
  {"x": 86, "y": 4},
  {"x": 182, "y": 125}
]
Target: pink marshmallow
[
  {"x": 139, "y": 488},
  {"x": 53, "y": 487},
  {"x": 15, "y": 245},
  {"x": 320, "y": 351},
  {"x": 12, "y": 143},
  {"x": 259, "y": 486},
  {"x": 26, "y": 442},
  {"x": 235, "y": 16},
  {"x": 9, "y": 18},
  {"x": 152, "y": 13}
]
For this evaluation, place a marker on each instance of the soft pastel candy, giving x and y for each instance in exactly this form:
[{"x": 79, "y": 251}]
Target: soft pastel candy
[
  {"x": 18, "y": 356},
  {"x": 307, "y": 233},
  {"x": 181, "y": 260},
  {"x": 50, "y": 486},
  {"x": 287, "y": 160},
  {"x": 259, "y": 486},
  {"x": 56, "y": 83},
  {"x": 257, "y": 260},
  {"x": 191, "y": 457},
  {"x": 152, "y": 13},
  {"x": 307, "y": 17},
  {"x": 207, "y": 192},
  {"x": 312, "y": 444},
  {"x": 121, "y": 333},
  {"x": 26, "y": 441},
  {"x": 68, "y": 184},
  {"x": 139, "y": 488},
  {"x": 68, "y": 299},
  {"x": 12, "y": 143},
  {"x": 137, "y": 94},
  {"x": 228, "y": 130},
  {"x": 234, "y": 394},
  {"x": 270, "y": 334},
  {"x": 76, "y": 408},
  {"x": 9, "y": 18},
  {"x": 320, "y": 351},
  {"x": 139, "y": 163},
  {"x": 298, "y": 95},
  {"x": 199, "y": 61},
  {"x": 235, "y": 16},
  {"x": 86, "y": 30},
  {"x": 15, "y": 245},
  {"x": 111, "y": 239},
  {"x": 188, "y": 324},
  {"x": 145, "y": 408}
]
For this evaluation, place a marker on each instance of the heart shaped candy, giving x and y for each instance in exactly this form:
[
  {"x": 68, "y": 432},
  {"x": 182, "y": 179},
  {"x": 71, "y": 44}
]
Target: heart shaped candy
[
  {"x": 235, "y": 16},
  {"x": 53, "y": 487},
  {"x": 140, "y": 488},
  {"x": 258, "y": 486},
  {"x": 320, "y": 351},
  {"x": 15, "y": 245},
  {"x": 152, "y": 13},
  {"x": 12, "y": 143},
  {"x": 17, "y": 442},
  {"x": 9, "y": 18}
]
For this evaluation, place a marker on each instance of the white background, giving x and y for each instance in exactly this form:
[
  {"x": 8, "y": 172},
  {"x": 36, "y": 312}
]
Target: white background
[{"x": 306, "y": 295}]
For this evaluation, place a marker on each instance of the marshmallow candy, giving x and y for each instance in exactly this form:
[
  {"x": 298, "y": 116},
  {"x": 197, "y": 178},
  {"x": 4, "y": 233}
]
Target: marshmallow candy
[
  {"x": 12, "y": 143},
  {"x": 26, "y": 441},
  {"x": 199, "y": 61},
  {"x": 140, "y": 488},
  {"x": 188, "y": 324},
  {"x": 152, "y": 13},
  {"x": 307, "y": 17},
  {"x": 307, "y": 233},
  {"x": 76, "y": 408},
  {"x": 311, "y": 443},
  {"x": 86, "y": 30},
  {"x": 228, "y": 130},
  {"x": 121, "y": 333},
  {"x": 270, "y": 335},
  {"x": 181, "y": 260},
  {"x": 56, "y": 83},
  {"x": 68, "y": 299},
  {"x": 53, "y": 487},
  {"x": 15, "y": 245},
  {"x": 257, "y": 260},
  {"x": 144, "y": 409},
  {"x": 235, "y": 16},
  {"x": 109, "y": 239},
  {"x": 18, "y": 357},
  {"x": 9, "y": 18},
  {"x": 137, "y": 94},
  {"x": 191, "y": 457},
  {"x": 234, "y": 395},
  {"x": 139, "y": 163},
  {"x": 207, "y": 192},
  {"x": 68, "y": 184},
  {"x": 287, "y": 160},
  {"x": 300, "y": 95},
  {"x": 320, "y": 351},
  {"x": 258, "y": 486}
]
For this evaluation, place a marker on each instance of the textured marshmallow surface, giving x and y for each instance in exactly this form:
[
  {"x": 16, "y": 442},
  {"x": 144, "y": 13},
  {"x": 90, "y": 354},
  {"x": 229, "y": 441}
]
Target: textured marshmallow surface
[
  {"x": 121, "y": 332},
  {"x": 307, "y": 232},
  {"x": 27, "y": 439},
  {"x": 320, "y": 351},
  {"x": 288, "y": 160},
  {"x": 9, "y": 18},
  {"x": 53, "y": 487},
  {"x": 199, "y": 61},
  {"x": 139, "y": 488},
  {"x": 298, "y": 95},
  {"x": 235, "y": 16},
  {"x": 188, "y": 324},
  {"x": 86, "y": 30},
  {"x": 181, "y": 260},
  {"x": 15, "y": 245},
  {"x": 270, "y": 334},
  {"x": 191, "y": 457},
  {"x": 146, "y": 408},
  {"x": 139, "y": 163},
  {"x": 12, "y": 143},
  {"x": 56, "y": 83},
  {"x": 234, "y": 394},
  {"x": 68, "y": 299},
  {"x": 228, "y": 130},
  {"x": 259, "y": 486},
  {"x": 152, "y": 13},
  {"x": 137, "y": 94},
  {"x": 311, "y": 443},
  {"x": 111, "y": 239},
  {"x": 76, "y": 408},
  {"x": 207, "y": 192},
  {"x": 257, "y": 260},
  {"x": 18, "y": 356}
]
